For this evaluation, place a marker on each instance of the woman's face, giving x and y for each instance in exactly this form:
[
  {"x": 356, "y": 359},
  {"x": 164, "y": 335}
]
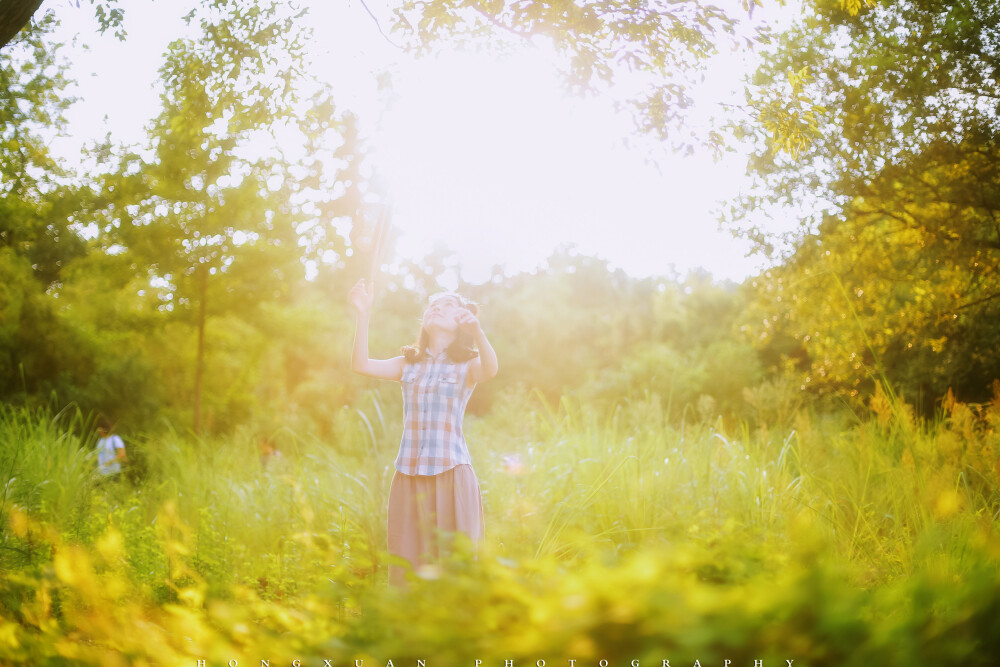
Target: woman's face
[{"x": 442, "y": 314}]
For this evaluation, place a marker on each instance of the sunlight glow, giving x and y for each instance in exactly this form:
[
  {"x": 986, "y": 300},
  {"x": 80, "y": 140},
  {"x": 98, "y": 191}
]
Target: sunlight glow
[
  {"x": 483, "y": 155},
  {"x": 490, "y": 158}
]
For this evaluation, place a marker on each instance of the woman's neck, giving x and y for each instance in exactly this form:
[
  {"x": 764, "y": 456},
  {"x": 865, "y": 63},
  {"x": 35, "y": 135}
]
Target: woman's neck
[{"x": 439, "y": 341}]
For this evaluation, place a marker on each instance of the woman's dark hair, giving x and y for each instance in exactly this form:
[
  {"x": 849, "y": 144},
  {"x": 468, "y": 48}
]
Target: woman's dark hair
[{"x": 461, "y": 349}]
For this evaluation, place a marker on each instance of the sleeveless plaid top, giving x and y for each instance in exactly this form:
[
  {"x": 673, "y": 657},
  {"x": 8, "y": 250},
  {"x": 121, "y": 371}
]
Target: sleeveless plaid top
[{"x": 434, "y": 400}]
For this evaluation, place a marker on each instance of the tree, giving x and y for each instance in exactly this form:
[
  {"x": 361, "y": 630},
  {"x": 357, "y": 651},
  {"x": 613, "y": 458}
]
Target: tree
[
  {"x": 16, "y": 14},
  {"x": 901, "y": 194},
  {"x": 37, "y": 240},
  {"x": 32, "y": 101},
  {"x": 211, "y": 212}
]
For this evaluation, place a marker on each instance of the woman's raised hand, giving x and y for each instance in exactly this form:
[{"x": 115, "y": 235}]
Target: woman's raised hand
[
  {"x": 468, "y": 321},
  {"x": 361, "y": 297}
]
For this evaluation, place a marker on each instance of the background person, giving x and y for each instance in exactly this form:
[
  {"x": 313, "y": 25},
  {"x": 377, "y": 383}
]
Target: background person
[{"x": 110, "y": 450}]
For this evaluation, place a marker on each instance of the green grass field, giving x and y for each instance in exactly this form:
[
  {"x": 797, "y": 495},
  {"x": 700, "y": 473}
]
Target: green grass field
[{"x": 611, "y": 534}]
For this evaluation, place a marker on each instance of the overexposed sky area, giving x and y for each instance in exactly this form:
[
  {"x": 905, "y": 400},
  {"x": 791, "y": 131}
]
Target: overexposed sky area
[{"x": 484, "y": 154}]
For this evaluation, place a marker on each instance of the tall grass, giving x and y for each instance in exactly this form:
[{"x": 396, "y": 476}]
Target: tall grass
[
  {"x": 48, "y": 468},
  {"x": 827, "y": 539}
]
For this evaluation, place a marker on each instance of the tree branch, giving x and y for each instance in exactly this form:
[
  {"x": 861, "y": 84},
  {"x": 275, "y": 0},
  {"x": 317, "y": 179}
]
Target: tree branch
[
  {"x": 379, "y": 26},
  {"x": 14, "y": 15},
  {"x": 492, "y": 19},
  {"x": 979, "y": 301}
]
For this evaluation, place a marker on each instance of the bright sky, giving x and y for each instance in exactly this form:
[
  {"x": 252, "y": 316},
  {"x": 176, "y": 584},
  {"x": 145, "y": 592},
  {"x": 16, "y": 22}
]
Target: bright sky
[{"x": 485, "y": 155}]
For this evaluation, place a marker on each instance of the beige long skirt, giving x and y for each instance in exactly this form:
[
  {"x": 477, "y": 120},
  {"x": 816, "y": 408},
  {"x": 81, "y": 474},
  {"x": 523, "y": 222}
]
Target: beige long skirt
[{"x": 425, "y": 513}]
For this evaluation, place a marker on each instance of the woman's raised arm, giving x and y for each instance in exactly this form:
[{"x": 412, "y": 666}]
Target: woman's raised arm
[{"x": 361, "y": 298}]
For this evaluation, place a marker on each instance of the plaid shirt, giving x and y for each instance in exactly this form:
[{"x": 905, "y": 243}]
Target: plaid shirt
[{"x": 434, "y": 400}]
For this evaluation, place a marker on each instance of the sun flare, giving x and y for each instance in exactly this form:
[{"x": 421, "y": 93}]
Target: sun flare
[{"x": 493, "y": 159}]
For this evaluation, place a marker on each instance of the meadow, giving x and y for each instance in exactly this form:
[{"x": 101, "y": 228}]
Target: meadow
[
  {"x": 613, "y": 534},
  {"x": 674, "y": 470}
]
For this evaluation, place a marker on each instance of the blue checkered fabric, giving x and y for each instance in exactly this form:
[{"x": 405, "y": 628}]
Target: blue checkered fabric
[{"x": 434, "y": 400}]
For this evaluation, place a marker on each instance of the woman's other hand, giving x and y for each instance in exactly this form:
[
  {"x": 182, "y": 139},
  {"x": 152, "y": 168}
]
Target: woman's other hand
[{"x": 466, "y": 320}]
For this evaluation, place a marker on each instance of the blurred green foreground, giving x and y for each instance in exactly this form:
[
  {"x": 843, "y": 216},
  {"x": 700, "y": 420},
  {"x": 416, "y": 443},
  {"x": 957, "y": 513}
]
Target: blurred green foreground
[{"x": 611, "y": 535}]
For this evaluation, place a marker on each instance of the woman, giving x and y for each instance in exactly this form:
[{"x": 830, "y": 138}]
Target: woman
[{"x": 434, "y": 491}]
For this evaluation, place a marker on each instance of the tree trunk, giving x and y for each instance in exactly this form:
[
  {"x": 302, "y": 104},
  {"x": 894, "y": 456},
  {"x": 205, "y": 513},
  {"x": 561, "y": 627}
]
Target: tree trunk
[
  {"x": 14, "y": 15},
  {"x": 200, "y": 360}
]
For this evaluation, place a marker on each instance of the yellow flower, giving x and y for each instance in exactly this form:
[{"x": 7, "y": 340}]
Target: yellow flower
[{"x": 948, "y": 504}]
